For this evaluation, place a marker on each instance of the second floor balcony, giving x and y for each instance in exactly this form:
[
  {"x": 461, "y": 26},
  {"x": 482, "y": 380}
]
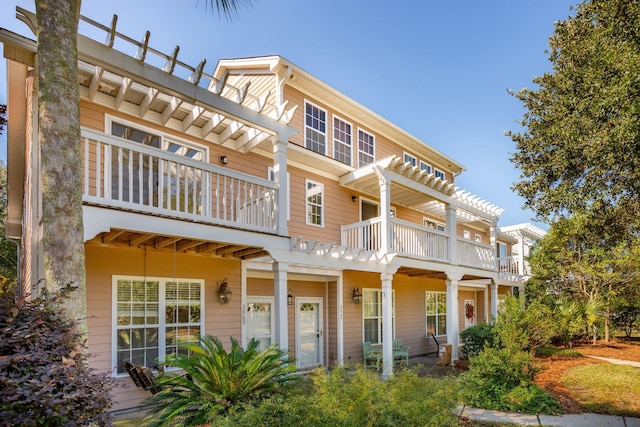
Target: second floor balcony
[
  {"x": 127, "y": 175},
  {"x": 420, "y": 242}
]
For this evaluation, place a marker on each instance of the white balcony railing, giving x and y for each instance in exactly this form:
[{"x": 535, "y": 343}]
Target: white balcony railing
[
  {"x": 507, "y": 266},
  {"x": 410, "y": 239},
  {"x": 133, "y": 176},
  {"x": 475, "y": 254}
]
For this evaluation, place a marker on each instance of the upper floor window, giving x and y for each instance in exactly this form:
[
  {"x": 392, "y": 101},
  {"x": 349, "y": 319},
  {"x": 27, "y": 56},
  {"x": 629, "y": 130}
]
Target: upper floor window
[
  {"x": 315, "y": 203},
  {"x": 366, "y": 147},
  {"x": 342, "y": 141},
  {"x": 412, "y": 160},
  {"x": 466, "y": 234},
  {"x": 478, "y": 238},
  {"x": 315, "y": 128},
  {"x": 425, "y": 167},
  {"x": 440, "y": 174},
  {"x": 433, "y": 224}
]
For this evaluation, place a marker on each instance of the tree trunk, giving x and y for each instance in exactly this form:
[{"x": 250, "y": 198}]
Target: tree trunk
[
  {"x": 61, "y": 156},
  {"x": 607, "y": 315}
]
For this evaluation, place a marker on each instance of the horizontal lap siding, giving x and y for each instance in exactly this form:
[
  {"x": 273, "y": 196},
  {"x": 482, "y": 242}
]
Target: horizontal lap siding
[
  {"x": 338, "y": 208},
  {"x": 104, "y": 261}
]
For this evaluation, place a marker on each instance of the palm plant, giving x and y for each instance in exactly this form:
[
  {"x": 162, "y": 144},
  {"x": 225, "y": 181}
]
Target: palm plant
[{"x": 214, "y": 381}]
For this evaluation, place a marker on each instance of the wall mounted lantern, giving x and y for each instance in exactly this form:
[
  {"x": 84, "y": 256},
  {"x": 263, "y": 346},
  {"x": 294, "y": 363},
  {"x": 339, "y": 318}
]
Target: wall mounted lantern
[
  {"x": 224, "y": 159},
  {"x": 224, "y": 293},
  {"x": 289, "y": 299},
  {"x": 357, "y": 296}
]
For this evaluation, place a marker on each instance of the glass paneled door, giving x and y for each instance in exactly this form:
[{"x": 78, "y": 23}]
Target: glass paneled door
[{"x": 309, "y": 348}]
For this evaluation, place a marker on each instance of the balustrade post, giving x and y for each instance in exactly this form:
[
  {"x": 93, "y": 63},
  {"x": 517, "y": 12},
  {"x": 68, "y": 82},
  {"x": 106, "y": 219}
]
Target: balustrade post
[{"x": 280, "y": 177}]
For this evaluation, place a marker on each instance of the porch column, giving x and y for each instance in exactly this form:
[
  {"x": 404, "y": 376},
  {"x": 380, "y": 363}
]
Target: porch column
[
  {"x": 386, "y": 243},
  {"x": 452, "y": 246},
  {"x": 453, "y": 319},
  {"x": 340, "y": 319},
  {"x": 387, "y": 325},
  {"x": 280, "y": 274},
  {"x": 280, "y": 177},
  {"x": 494, "y": 301},
  {"x": 493, "y": 240}
]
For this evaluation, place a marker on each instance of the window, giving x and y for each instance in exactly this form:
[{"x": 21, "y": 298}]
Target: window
[
  {"x": 315, "y": 128},
  {"x": 341, "y": 141},
  {"x": 151, "y": 316},
  {"x": 466, "y": 234},
  {"x": 433, "y": 224},
  {"x": 478, "y": 238},
  {"x": 436, "y": 313},
  {"x": 440, "y": 174},
  {"x": 425, "y": 167},
  {"x": 260, "y": 317},
  {"x": 148, "y": 180},
  {"x": 315, "y": 200},
  {"x": 372, "y": 314},
  {"x": 412, "y": 160},
  {"x": 366, "y": 146}
]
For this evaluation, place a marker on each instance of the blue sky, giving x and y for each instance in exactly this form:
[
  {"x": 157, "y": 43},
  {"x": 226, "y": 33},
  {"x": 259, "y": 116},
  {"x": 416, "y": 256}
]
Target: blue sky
[{"x": 438, "y": 69}]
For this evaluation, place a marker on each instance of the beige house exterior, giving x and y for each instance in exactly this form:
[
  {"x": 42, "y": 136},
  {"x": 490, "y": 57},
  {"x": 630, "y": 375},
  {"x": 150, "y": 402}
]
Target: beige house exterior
[{"x": 261, "y": 176}]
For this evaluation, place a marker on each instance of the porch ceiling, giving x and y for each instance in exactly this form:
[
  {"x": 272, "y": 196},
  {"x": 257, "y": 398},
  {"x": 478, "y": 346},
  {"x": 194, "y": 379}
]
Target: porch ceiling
[
  {"x": 119, "y": 237},
  {"x": 432, "y": 274}
]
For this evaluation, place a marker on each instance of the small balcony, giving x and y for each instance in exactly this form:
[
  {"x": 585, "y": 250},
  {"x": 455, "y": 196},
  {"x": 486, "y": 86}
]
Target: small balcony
[
  {"x": 416, "y": 241},
  {"x": 127, "y": 175}
]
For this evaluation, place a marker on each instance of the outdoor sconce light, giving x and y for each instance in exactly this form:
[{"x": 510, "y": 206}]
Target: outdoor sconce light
[
  {"x": 289, "y": 299},
  {"x": 357, "y": 296},
  {"x": 224, "y": 159},
  {"x": 354, "y": 199},
  {"x": 224, "y": 293}
]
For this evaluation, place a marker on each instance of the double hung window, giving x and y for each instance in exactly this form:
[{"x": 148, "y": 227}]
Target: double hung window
[
  {"x": 436, "y": 313},
  {"x": 315, "y": 203},
  {"x": 315, "y": 128},
  {"x": 152, "y": 316},
  {"x": 342, "y": 141},
  {"x": 372, "y": 315},
  {"x": 366, "y": 148}
]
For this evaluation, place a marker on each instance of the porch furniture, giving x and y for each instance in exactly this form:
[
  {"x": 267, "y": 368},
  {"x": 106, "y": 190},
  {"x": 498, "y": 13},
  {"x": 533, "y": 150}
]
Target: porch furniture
[
  {"x": 372, "y": 356},
  {"x": 142, "y": 376},
  {"x": 400, "y": 352}
]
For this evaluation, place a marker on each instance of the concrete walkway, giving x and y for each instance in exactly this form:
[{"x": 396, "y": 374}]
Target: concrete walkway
[
  {"x": 567, "y": 420},
  {"x": 617, "y": 361}
]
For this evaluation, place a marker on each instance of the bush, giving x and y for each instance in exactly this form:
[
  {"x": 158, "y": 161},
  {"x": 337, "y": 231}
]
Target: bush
[
  {"x": 214, "y": 381},
  {"x": 44, "y": 374},
  {"x": 501, "y": 379},
  {"x": 347, "y": 398},
  {"x": 476, "y": 338},
  {"x": 526, "y": 329}
]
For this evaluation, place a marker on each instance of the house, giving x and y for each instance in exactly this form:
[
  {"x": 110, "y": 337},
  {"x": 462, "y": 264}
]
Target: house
[{"x": 253, "y": 202}]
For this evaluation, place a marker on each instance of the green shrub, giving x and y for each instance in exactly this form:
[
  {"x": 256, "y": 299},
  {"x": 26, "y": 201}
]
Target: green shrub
[
  {"x": 345, "y": 397},
  {"x": 214, "y": 381},
  {"x": 526, "y": 329},
  {"x": 44, "y": 374},
  {"x": 476, "y": 338},
  {"x": 501, "y": 379}
]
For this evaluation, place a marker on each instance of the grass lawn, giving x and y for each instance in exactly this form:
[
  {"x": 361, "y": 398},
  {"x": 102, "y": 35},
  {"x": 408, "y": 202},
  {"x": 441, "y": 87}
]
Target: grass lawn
[{"x": 605, "y": 388}]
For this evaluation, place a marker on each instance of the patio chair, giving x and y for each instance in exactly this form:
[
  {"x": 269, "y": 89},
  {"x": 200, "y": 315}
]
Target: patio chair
[
  {"x": 372, "y": 356},
  {"x": 400, "y": 352}
]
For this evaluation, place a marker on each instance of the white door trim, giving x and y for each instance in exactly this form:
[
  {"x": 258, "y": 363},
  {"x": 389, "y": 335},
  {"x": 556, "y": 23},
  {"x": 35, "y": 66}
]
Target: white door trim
[{"x": 320, "y": 331}]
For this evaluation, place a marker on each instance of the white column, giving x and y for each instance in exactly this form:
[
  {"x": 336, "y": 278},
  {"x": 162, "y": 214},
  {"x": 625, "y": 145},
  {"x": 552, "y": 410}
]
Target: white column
[
  {"x": 487, "y": 316},
  {"x": 385, "y": 213},
  {"x": 280, "y": 177},
  {"x": 387, "y": 325},
  {"x": 280, "y": 273},
  {"x": 493, "y": 240},
  {"x": 494, "y": 301},
  {"x": 452, "y": 247},
  {"x": 340, "y": 331},
  {"x": 453, "y": 318}
]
